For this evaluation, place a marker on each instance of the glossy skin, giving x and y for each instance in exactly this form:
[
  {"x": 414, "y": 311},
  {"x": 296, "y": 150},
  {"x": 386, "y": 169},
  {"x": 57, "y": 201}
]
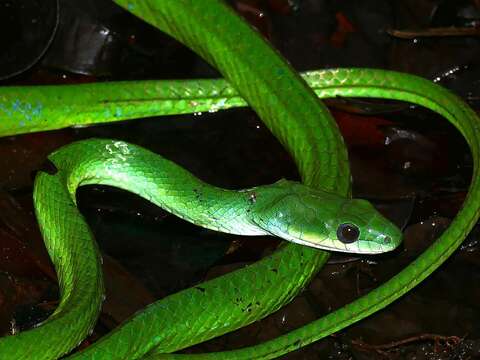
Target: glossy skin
[
  {"x": 301, "y": 124},
  {"x": 315, "y": 218}
]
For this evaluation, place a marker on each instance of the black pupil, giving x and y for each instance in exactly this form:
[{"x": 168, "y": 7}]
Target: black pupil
[{"x": 348, "y": 233}]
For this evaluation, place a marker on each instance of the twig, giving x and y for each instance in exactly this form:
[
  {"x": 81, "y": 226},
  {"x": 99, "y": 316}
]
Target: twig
[
  {"x": 435, "y": 32},
  {"x": 439, "y": 340}
]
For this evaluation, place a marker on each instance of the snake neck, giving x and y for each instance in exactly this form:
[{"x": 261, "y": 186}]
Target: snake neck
[{"x": 158, "y": 180}]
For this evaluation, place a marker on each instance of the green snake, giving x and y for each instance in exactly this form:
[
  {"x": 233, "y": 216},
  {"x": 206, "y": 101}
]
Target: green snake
[{"x": 255, "y": 75}]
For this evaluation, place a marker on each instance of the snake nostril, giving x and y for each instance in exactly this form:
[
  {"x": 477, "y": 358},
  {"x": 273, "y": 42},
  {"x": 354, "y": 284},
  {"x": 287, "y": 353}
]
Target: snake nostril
[{"x": 387, "y": 240}]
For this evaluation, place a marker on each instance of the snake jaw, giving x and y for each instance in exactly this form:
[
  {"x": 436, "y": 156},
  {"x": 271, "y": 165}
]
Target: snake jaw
[{"x": 311, "y": 217}]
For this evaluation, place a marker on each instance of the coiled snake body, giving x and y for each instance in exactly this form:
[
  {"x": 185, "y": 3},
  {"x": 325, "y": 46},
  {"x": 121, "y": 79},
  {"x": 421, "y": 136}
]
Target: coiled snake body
[{"x": 290, "y": 109}]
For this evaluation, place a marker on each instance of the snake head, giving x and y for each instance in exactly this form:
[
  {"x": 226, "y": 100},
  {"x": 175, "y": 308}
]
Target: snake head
[{"x": 322, "y": 220}]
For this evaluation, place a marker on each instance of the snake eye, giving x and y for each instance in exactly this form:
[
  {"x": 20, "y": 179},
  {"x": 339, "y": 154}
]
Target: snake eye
[{"x": 348, "y": 233}]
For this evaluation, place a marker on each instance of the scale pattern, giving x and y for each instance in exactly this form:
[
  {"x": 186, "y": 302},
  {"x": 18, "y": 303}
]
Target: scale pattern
[{"x": 294, "y": 116}]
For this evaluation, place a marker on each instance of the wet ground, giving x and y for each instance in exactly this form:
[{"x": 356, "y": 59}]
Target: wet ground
[{"x": 409, "y": 162}]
